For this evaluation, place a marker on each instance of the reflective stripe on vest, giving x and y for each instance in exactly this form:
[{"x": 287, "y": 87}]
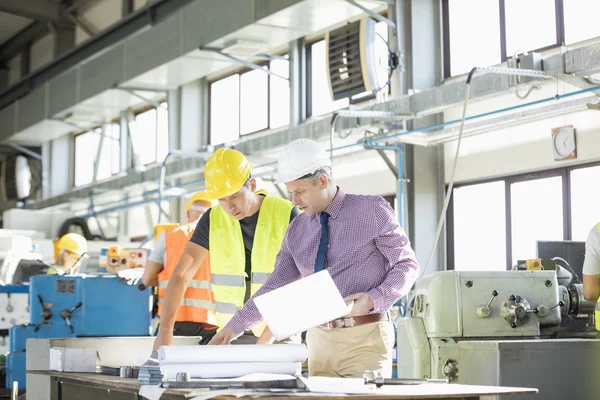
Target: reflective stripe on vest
[
  {"x": 228, "y": 280},
  {"x": 193, "y": 284},
  {"x": 198, "y": 301},
  {"x": 260, "y": 277},
  {"x": 195, "y": 303},
  {"x": 228, "y": 257}
]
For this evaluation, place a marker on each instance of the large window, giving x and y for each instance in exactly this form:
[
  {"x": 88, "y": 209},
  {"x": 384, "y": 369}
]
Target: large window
[
  {"x": 581, "y": 20},
  {"x": 467, "y": 49},
  {"x": 504, "y": 28},
  {"x": 249, "y": 101},
  {"x": 87, "y": 150},
  {"x": 536, "y": 214},
  {"x": 585, "y": 210},
  {"x": 492, "y": 225},
  {"x": 480, "y": 212},
  {"x": 150, "y": 135}
]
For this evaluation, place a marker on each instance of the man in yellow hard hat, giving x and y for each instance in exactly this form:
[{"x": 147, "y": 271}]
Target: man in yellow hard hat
[
  {"x": 72, "y": 249},
  {"x": 196, "y": 315},
  {"x": 243, "y": 232}
]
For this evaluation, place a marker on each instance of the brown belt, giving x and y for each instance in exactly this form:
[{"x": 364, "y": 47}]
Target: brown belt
[{"x": 349, "y": 322}]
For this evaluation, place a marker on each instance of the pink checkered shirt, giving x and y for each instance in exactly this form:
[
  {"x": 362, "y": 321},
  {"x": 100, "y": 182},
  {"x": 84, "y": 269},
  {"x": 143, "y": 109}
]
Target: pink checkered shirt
[{"x": 368, "y": 252}]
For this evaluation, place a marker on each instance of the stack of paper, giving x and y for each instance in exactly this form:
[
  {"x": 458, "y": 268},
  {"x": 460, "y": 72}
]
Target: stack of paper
[
  {"x": 151, "y": 375},
  {"x": 202, "y": 362}
]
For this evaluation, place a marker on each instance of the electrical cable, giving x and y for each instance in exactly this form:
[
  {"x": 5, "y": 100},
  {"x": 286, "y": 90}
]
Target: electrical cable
[{"x": 449, "y": 191}]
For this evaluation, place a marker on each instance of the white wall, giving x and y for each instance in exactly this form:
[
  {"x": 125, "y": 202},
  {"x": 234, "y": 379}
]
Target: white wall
[
  {"x": 523, "y": 148},
  {"x": 42, "y": 52},
  {"x": 99, "y": 16}
]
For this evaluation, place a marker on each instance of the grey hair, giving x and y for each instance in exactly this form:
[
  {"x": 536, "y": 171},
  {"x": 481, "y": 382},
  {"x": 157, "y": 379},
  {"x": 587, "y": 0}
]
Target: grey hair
[{"x": 314, "y": 177}]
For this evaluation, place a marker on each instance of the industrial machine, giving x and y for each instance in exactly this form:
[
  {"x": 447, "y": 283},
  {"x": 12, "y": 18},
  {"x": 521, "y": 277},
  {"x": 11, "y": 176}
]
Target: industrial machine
[
  {"x": 475, "y": 327},
  {"x": 78, "y": 306}
]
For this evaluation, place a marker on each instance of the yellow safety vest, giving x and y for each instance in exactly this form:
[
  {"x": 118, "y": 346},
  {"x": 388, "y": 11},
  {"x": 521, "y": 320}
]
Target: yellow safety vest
[
  {"x": 228, "y": 257},
  {"x": 597, "y": 313}
]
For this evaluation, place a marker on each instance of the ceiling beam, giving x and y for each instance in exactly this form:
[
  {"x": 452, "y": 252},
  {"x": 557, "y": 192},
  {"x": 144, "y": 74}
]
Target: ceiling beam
[
  {"x": 13, "y": 46},
  {"x": 42, "y": 10}
]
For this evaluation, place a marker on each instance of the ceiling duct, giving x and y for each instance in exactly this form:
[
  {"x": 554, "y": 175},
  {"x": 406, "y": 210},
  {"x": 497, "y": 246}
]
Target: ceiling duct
[{"x": 351, "y": 60}]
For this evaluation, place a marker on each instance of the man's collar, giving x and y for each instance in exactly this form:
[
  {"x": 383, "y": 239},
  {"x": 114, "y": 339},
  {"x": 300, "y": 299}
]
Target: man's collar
[{"x": 333, "y": 209}]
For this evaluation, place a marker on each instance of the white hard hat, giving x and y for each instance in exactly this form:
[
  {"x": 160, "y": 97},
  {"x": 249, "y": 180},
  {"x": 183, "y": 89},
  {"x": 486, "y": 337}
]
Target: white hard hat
[{"x": 299, "y": 158}]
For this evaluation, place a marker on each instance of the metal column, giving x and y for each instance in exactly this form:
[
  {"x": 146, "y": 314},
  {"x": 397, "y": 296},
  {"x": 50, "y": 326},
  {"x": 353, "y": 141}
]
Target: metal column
[{"x": 297, "y": 82}]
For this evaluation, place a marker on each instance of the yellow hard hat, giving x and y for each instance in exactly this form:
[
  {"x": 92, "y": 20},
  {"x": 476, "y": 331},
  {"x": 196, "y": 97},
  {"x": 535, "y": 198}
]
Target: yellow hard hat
[
  {"x": 225, "y": 172},
  {"x": 200, "y": 197},
  {"x": 73, "y": 242}
]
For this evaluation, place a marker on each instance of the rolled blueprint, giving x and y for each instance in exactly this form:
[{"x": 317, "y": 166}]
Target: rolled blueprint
[
  {"x": 252, "y": 353},
  {"x": 229, "y": 370}
]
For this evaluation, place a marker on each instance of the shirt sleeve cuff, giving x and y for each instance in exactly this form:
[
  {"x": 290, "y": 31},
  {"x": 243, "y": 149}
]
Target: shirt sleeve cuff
[
  {"x": 236, "y": 326},
  {"x": 377, "y": 300}
]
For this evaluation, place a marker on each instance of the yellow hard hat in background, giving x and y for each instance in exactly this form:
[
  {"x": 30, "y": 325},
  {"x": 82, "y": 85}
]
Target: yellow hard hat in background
[
  {"x": 200, "y": 197},
  {"x": 73, "y": 242},
  {"x": 225, "y": 172}
]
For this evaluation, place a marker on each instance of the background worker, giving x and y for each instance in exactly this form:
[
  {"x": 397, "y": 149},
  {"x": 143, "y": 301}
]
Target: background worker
[
  {"x": 591, "y": 270},
  {"x": 196, "y": 316},
  {"x": 243, "y": 233},
  {"x": 358, "y": 240},
  {"x": 72, "y": 249}
]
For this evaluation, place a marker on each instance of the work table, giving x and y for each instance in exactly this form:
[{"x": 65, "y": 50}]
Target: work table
[{"x": 88, "y": 385}]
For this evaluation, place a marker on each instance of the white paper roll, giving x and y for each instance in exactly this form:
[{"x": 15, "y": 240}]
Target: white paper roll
[
  {"x": 232, "y": 354},
  {"x": 230, "y": 370}
]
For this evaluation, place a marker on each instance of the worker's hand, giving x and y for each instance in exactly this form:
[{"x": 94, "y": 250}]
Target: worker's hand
[
  {"x": 131, "y": 276},
  {"x": 266, "y": 337},
  {"x": 363, "y": 304},
  {"x": 163, "y": 338},
  {"x": 224, "y": 336}
]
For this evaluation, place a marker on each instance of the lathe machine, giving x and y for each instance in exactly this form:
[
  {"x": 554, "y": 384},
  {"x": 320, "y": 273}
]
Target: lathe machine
[
  {"x": 510, "y": 328},
  {"x": 78, "y": 306}
]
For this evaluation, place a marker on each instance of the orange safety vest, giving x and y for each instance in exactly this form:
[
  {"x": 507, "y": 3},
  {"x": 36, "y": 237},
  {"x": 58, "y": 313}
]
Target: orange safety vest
[{"x": 198, "y": 303}]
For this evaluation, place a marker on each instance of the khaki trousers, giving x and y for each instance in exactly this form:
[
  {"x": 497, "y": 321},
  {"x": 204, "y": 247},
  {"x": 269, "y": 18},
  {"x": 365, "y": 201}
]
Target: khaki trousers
[{"x": 349, "y": 352}]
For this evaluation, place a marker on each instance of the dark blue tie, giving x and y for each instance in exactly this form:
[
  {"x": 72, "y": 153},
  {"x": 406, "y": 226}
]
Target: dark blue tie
[{"x": 320, "y": 263}]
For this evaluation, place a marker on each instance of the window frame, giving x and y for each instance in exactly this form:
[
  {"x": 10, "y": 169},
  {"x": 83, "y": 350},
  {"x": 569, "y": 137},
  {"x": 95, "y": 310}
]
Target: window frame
[
  {"x": 559, "y": 36},
  {"x": 564, "y": 172},
  {"x": 76, "y": 134},
  {"x": 241, "y": 71},
  {"x": 146, "y": 108}
]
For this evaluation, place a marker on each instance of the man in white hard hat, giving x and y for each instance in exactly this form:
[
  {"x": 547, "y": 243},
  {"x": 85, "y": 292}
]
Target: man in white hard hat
[{"x": 358, "y": 240}]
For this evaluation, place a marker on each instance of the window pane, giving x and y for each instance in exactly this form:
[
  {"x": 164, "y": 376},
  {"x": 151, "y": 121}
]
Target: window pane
[
  {"x": 254, "y": 102},
  {"x": 224, "y": 110},
  {"x": 530, "y": 25},
  {"x": 581, "y": 20},
  {"x": 280, "y": 95},
  {"x": 468, "y": 50},
  {"x": 86, "y": 147},
  {"x": 480, "y": 227},
  {"x": 321, "y": 95},
  {"x": 145, "y": 136},
  {"x": 113, "y": 131},
  {"x": 104, "y": 165},
  {"x": 537, "y": 214},
  {"x": 162, "y": 133},
  {"x": 585, "y": 211}
]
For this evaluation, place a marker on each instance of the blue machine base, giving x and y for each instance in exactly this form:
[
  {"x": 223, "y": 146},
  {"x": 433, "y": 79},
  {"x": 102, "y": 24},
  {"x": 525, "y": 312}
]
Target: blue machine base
[{"x": 96, "y": 306}]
